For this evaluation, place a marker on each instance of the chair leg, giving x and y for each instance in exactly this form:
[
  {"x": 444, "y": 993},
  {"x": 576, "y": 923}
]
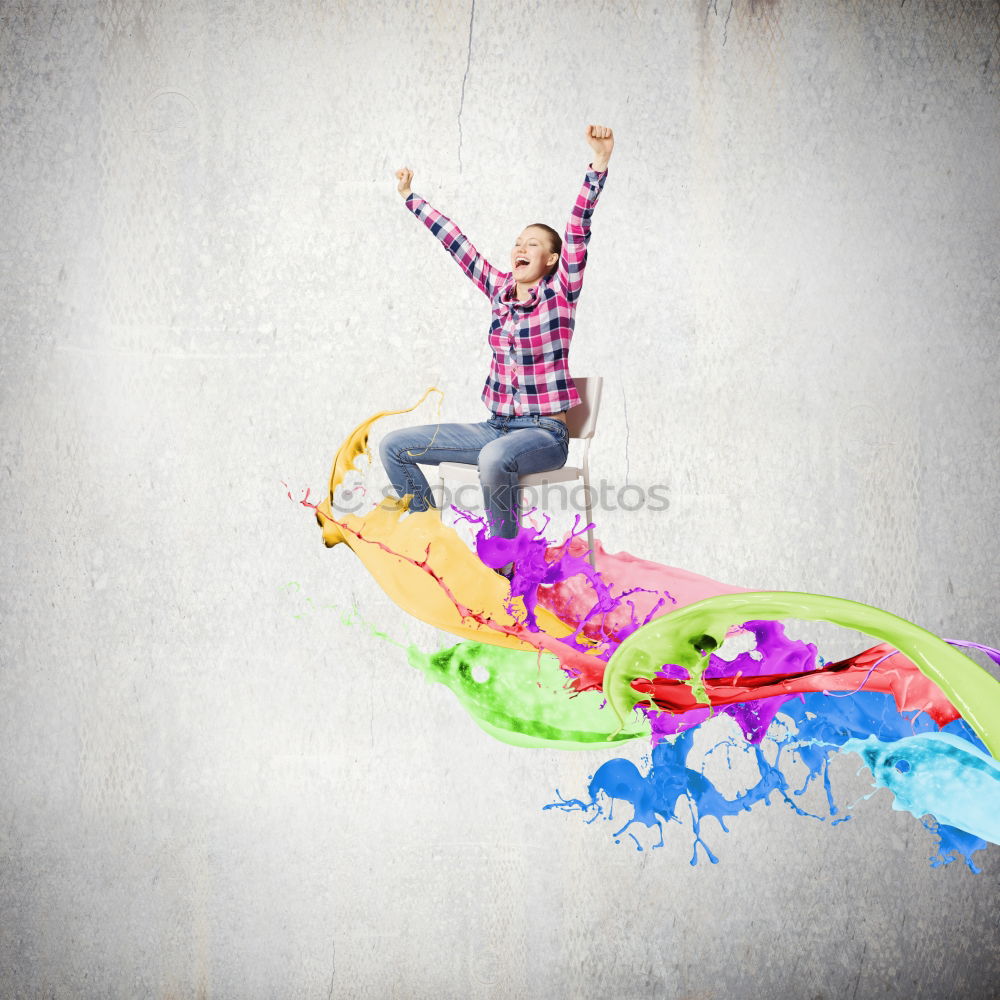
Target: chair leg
[
  {"x": 441, "y": 497},
  {"x": 590, "y": 518}
]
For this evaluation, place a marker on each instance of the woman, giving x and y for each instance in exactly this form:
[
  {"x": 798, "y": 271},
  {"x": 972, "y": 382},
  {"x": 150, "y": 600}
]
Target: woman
[{"x": 528, "y": 389}]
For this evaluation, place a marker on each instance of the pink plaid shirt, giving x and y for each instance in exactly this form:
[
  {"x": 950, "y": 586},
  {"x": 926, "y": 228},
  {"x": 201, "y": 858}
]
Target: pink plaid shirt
[{"x": 529, "y": 373}]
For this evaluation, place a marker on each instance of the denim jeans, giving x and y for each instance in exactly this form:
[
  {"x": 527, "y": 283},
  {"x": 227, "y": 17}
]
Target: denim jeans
[{"x": 504, "y": 448}]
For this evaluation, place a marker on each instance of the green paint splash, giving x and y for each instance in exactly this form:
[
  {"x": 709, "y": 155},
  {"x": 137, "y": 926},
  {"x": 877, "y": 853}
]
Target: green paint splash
[
  {"x": 523, "y": 698},
  {"x": 687, "y": 635}
]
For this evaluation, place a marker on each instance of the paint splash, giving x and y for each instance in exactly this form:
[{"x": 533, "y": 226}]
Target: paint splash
[
  {"x": 575, "y": 657},
  {"x": 964, "y": 806}
]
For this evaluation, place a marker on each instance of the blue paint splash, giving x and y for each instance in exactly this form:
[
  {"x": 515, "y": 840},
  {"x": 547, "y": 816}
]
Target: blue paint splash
[{"x": 817, "y": 725}]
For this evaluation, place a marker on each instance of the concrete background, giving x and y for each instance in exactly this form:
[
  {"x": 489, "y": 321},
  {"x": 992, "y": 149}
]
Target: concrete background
[{"x": 216, "y": 780}]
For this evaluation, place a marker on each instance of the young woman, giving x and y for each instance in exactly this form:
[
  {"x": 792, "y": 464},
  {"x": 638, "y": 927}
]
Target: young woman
[{"x": 528, "y": 388}]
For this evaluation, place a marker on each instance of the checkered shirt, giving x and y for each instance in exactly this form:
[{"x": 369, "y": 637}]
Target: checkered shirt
[{"x": 529, "y": 372}]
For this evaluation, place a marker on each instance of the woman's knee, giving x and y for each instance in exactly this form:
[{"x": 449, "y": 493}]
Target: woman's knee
[
  {"x": 392, "y": 447},
  {"x": 495, "y": 463}
]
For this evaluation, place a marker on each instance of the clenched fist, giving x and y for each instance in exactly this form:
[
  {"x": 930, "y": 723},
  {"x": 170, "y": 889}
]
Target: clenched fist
[
  {"x": 602, "y": 141},
  {"x": 404, "y": 175}
]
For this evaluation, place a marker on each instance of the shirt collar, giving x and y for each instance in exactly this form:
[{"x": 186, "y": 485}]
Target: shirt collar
[{"x": 509, "y": 294}]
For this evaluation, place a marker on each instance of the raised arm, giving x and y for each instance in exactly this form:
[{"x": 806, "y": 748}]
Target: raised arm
[
  {"x": 573, "y": 259},
  {"x": 468, "y": 258}
]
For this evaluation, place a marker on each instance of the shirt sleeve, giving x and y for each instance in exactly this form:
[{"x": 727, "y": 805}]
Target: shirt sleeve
[
  {"x": 573, "y": 258},
  {"x": 485, "y": 276}
]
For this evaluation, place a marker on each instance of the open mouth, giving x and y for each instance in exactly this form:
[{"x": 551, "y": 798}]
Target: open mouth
[{"x": 521, "y": 262}]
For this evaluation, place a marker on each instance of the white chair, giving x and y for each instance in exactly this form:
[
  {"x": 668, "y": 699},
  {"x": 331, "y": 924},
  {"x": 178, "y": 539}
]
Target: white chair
[{"x": 581, "y": 421}]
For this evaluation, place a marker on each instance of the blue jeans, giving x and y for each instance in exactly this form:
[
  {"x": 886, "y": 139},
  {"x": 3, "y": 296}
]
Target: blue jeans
[{"x": 504, "y": 449}]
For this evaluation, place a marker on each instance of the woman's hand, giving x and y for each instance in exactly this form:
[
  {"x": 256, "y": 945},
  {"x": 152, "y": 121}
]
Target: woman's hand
[
  {"x": 404, "y": 175},
  {"x": 602, "y": 141}
]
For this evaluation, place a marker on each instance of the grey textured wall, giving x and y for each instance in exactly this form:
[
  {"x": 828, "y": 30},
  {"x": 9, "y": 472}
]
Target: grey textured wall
[{"x": 214, "y": 785}]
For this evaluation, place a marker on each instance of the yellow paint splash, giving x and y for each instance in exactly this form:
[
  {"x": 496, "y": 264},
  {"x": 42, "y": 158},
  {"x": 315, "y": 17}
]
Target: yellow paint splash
[{"x": 427, "y": 569}]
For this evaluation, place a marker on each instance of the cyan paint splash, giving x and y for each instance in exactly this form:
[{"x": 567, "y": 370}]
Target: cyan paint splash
[{"x": 937, "y": 774}]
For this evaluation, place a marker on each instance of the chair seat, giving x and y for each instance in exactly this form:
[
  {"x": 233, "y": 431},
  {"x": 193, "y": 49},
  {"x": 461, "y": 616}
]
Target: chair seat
[{"x": 470, "y": 474}]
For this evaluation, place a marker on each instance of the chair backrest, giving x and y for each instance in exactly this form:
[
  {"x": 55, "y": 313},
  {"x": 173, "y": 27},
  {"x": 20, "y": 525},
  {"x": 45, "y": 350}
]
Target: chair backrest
[{"x": 582, "y": 418}]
